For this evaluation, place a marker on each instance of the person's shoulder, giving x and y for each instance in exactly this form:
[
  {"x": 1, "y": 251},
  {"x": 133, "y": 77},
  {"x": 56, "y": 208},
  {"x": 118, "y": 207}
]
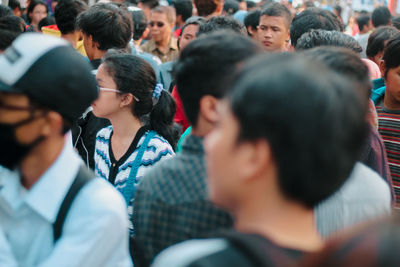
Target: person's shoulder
[
  {"x": 105, "y": 132},
  {"x": 188, "y": 252},
  {"x": 369, "y": 181}
]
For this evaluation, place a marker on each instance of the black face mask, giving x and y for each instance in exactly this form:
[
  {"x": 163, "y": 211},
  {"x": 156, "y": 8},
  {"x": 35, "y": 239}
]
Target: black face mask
[{"x": 12, "y": 151}]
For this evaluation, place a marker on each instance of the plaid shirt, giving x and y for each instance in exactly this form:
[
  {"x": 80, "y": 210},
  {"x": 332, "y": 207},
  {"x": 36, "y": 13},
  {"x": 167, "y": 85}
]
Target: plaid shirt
[{"x": 171, "y": 204}]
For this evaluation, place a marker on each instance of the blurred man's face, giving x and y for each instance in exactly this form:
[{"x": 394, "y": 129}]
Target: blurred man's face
[
  {"x": 160, "y": 28},
  {"x": 188, "y": 35},
  {"x": 273, "y": 33}
]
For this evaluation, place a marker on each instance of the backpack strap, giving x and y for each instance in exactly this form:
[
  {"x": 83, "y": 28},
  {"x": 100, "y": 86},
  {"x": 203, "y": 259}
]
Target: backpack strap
[
  {"x": 130, "y": 188},
  {"x": 83, "y": 176}
]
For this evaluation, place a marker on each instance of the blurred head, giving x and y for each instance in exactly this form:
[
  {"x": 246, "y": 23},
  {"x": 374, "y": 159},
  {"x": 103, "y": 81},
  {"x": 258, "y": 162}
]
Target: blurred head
[
  {"x": 139, "y": 22},
  {"x": 5, "y": 11},
  {"x": 230, "y": 7},
  {"x": 251, "y": 22},
  {"x": 37, "y": 10},
  {"x": 316, "y": 38},
  {"x": 273, "y": 28},
  {"x": 312, "y": 18},
  {"x": 162, "y": 21},
  {"x": 183, "y": 10},
  {"x": 377, "y": 41},
  {"x": 364, "y": 24},
  {"x": 257, "y": 134},
  {"x": 66, "y": 12},
  {"x": 220, "y": 23},
  {"x": 16, "y": 7},
  {"x": 381, "y": 17},
  {"x": 206, "y": 8},
  {"x": 204, "y": 66},
  {"x": 189, "y": 31}
]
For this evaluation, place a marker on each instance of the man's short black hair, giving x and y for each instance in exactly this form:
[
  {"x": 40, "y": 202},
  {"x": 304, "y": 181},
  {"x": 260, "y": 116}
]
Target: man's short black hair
[
  {"x": 316, "y": 38},
  {"x": 139, "y": 22},
  {"x": 12, "y": 23},
  {"x": 252, "y": 20},
  {"x": 231, "y": 7},
  {"x": 66, "y": 12},
  {"x": 346, "y": 63},
  {"x": 221, "y": 23},
  {"x": 149, "y": 3},
  {"x": 206, "y": 63},
  {"x": 6, "y": 38},
  {"x": 396, "y": 22},
  {"x": 275, "y": 96},
  {"x": 277, "y": 10},
  {"x": 313, "y": 18},
  {"x": 5, "y": 11},
  {"x": 183, "y": 8},
  {"x": 381, "y": 16},
  {"x": 378, "y": 38},
  {"x": 363, "y": 21},
  {"x": 250, "y": 4},
  {"x": 391, "y": 54},
  {"x": 13, "y": 4},
  {"x": 109, "y": 25}
]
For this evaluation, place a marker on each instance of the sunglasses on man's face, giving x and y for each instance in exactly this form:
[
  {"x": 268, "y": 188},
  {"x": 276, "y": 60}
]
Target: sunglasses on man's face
[{"x": 158, "y": 23}]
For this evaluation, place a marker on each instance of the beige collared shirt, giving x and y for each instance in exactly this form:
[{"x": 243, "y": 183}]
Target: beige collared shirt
[{"x": 172, "y": 54}]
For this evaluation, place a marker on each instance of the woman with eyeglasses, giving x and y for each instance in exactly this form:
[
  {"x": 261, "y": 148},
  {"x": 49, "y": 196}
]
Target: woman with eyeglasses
[
  {"x": 37, "y": 10},
  {"x": 141, "y": 114}
]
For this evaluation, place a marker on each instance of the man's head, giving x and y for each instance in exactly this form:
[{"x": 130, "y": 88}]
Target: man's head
[
  {"x": 10, "y": 28},
  {"x": 346, "y": 63},
  {"x": 316, "y": 38},
  {"x": 206, "y": 8},
  {"x": 39, "y": 97},
  {"x": 183, "y": 10},
  {"x": 251, "y": 22},
  {"x": 377, "y": 41},
  {"x": 65, "y": 14},
  {"x": 273, "y": 29},
  {"x": 104, "y": 26},
  {"x": 15, "y": 5},
  {"x": 230, "y": 7},
  {"x": 147, "y": 6},
  {"x": 291, "y": 130},
  {"x": 189, "y": 31},
  {"x": 202, "y": 69},
  {"x": 162, "y": 22},
  {"x": 312, "y": 18},
  {"x": 139, "y": 23},
  {"x": 381, "y": 17},
  {"x": 5, "y": 11},
  {"x": 364, "y": 24},
  {"x": 220, "y": 23}
]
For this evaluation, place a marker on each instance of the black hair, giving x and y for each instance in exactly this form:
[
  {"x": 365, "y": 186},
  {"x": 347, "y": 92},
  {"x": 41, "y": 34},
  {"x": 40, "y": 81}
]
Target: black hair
[
  {"x": 6, "y": 38},
  {"x": 277, "y": 10},
  {"x": 381, "y": 16},
  {"x": 5, "y": 11},
  {"x": 206, "y": 7},
  {"x": 220, "y": 23},
  {"x": 308, "y": 4},
  {"x": 66, "y": 12},
  {"x": 134, "y": 75},
  {"x": 312, "y": 18},
  {"x": 13, "y": 4},
  {"x": 377, "y": 39},
  {"x": 183, "y": 8},
  {"x": 363, "y": 21},
  {"x": 231, "y": 7},
  {"x": 391, "y": 54},
  {"x": 396, "y": 22},
  {"x": 338, "y": 9},
  {"x": 109, "y": 25},
  {"x": 32, "y": 6},
  {"x": 252, "y": 20},
  {"x": 306, "y": 112},
  {"x": 346, "y": 63},
  {"x": 195, "y": 20},
  {"x": 316, "y": 38},
  {"x": 46, "y": 21},
  {"x": 250, "y": 4},
  {"x": 206, "y": 63},
  {"x": 12, "y": 23},
  {"x": 149, "y": 3},
  {"x": 139, "y": 22}
]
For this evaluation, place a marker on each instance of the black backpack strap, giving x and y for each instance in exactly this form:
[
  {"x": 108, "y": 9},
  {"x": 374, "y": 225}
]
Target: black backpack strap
[{"x": 84, "y": 175}]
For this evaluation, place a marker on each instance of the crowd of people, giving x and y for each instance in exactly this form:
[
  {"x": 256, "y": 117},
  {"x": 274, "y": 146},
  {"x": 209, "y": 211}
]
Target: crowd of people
[{"x": 202, "y": 133}]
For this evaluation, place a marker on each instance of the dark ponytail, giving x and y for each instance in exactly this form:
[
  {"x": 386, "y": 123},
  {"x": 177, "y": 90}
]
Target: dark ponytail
[
  {"x": 134, "y": 75},
  {"x": 162, "y": 118}
]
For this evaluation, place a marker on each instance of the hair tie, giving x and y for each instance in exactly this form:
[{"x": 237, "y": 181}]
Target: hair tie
[{"x": 157, "y": 93}]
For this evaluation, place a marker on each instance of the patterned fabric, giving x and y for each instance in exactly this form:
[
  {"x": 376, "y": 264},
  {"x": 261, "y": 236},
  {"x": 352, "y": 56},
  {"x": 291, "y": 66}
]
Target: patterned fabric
[
  {"x": 172, "y": 54},
  {"x": 157, "y": 149},
  {"x": 172, "y": 204},
  {"x": 389, "y": 128}
]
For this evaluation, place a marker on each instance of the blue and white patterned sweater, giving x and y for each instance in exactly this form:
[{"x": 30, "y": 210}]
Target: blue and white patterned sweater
[{"x": 157, "y": 149}]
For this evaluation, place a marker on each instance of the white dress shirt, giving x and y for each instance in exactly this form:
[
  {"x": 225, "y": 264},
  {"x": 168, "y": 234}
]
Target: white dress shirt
[{"x": 95, "y": 231}]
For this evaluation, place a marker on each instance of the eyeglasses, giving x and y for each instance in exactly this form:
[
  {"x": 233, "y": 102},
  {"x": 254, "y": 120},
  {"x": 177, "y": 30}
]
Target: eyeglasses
[
  {"x": 158, "y": 23},
  {"x": 114, "y": 91}
]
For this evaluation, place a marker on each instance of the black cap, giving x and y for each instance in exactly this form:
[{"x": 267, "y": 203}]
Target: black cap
[{"x": 50, "y": 72}]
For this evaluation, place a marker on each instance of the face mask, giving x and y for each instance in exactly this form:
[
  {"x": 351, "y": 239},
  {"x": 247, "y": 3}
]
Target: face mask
[{"x": 13, "y": 151}]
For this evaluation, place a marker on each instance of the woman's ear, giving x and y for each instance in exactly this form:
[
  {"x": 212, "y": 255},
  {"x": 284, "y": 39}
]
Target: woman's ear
[{"x": 126, "y": 100}]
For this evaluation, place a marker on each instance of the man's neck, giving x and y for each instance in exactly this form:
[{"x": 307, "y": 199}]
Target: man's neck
[
  {"x": 96, "y": 54},
  {"x": 40, "y": 159},
  {"x": 390, "y": 103},
  {"x": 72, "y": 38}
]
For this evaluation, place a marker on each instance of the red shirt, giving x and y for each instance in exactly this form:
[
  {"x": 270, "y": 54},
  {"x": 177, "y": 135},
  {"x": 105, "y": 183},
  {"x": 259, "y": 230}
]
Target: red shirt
[{"x": 180, "y": 116}]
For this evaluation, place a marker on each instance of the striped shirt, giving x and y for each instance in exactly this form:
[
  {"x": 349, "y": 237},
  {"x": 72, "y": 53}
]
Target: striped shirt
[
  {"x": 389, "y": 128},
  {"x": 117, "y": 172}
]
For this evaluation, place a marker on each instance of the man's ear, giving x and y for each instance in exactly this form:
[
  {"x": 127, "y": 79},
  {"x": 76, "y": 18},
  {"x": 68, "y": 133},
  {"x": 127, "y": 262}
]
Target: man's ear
[
  {"x": 208, "y": 108},
  {"x": 382, "y": 67},
  {"x": 54, "y": 123}
]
